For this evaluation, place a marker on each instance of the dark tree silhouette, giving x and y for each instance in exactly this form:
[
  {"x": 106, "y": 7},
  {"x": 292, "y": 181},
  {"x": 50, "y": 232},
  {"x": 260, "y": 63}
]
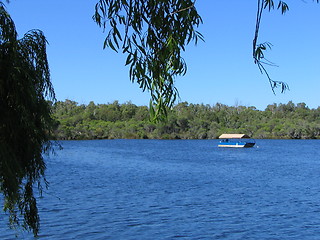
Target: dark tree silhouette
[{"x": 25, "y": 122}]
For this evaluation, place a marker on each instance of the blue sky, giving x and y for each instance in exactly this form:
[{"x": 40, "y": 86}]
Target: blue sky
[{"x": 220, "y": 69}]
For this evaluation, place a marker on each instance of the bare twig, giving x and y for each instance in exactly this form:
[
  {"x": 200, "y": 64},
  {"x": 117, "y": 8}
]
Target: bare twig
[{"x": 184, "y": 9}]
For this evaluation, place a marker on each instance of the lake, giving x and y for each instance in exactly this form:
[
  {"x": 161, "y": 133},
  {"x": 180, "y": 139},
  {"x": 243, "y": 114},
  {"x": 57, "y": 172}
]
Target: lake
[{"x": 180, "y": 189}]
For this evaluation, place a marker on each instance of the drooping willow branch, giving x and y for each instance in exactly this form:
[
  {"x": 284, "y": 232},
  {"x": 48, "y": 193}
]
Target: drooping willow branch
[
  {"x": 153, "y": 35},
  {"x": 258, "y": 49}
]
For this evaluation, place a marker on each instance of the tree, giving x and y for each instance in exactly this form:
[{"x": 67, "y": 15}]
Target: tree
[
  {"x": 25, "y": 123},
  {"x": 153, "y": 33}
]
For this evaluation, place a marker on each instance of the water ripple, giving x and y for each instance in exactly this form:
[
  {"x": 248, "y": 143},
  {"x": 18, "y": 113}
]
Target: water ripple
[{"x": 149, "y": 189}]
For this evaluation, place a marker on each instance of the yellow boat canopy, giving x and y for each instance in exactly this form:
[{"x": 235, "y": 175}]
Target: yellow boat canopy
[{"x": 225, "y": 135}]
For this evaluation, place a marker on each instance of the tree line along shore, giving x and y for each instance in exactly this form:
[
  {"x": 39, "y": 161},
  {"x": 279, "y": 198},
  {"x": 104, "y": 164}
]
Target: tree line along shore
[{"x": 75, "y": 121}]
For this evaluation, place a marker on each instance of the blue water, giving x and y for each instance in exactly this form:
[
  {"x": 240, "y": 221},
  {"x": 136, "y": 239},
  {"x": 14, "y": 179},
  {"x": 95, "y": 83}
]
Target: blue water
[{"x": 180, "y": 189}]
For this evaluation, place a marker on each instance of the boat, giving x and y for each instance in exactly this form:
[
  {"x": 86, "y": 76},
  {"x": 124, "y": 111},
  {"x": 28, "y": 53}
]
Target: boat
[{"x": 236, "y": 141}]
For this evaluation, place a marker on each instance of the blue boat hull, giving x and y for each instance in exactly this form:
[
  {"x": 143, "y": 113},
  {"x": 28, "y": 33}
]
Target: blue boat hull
[{"x": 236, "y": 144}]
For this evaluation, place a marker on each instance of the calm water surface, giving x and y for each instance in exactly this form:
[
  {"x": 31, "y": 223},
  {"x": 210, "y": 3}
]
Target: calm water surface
[{"x": 184, "y": 189}]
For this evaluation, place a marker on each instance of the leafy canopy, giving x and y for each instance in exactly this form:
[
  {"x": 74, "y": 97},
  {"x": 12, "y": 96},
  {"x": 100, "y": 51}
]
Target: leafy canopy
[
  {"x": 25, "y": 122},
  {"x": 152, "y": 33}
]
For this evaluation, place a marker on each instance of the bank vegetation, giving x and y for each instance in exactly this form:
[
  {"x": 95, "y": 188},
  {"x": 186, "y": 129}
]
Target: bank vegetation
[{"x": 185, "y": 121}]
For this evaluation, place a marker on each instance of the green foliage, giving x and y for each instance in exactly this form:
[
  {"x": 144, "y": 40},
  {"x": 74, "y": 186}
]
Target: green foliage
[
  {"x": 152, "y": 34},
  {"x": 259, "y": 49},
  {"x": 186, "y": 121},
  {"x": 25, "y": 123}
]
